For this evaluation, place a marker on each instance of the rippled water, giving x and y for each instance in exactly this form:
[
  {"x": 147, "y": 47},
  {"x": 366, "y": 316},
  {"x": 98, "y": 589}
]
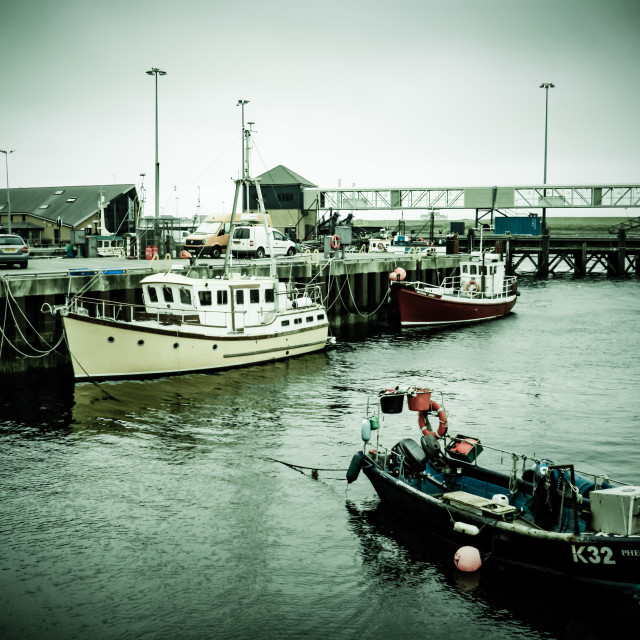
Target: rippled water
[{"x": 186, "y": 508}]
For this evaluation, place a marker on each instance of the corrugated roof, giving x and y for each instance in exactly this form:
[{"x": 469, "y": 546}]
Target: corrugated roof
[
  {"x": 280, "y": 175},
  {"x": 73, "y": 205}
]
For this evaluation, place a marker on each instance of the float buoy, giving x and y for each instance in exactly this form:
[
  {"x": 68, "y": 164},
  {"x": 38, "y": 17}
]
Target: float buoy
[
  {"x": 335, "y": 241},
  {"x": 467, "y": 559},
  {"x": 397, "y": 274},
  {"x": 442, "y": 416},
  {"x": 354, "y": 468},
  {"x": 473, "y": 287},
  {"x": 185, "y": 254}
]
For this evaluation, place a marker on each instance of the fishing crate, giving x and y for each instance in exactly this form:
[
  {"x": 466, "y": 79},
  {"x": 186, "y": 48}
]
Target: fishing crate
[{"x": 465, "y": 448}]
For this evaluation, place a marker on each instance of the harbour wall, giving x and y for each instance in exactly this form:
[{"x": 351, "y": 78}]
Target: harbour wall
[{"x": 354, "y": 286}]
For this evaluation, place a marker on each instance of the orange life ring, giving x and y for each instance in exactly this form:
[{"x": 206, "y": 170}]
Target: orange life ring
[
  {"x": 474, "y": 284},
  {"x": 442, "y": 416},
  {"x": 335, "y": 241}
]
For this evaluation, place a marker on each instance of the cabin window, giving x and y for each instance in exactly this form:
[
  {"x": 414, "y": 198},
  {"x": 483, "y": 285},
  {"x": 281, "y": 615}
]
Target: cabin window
[
  {"x": 285, "y": 323},
  {"x": 221, "y": 296},
  {"x": 297, "y": 321},
  {"x": 321, "y": 316},
  {"x": 185, "y": 296},
  {"x": 268, "y": 295},
  {"x": 309, "y": 318},
  {"x": 239, "y": 296},
  {"x": 254, "y": 296},
  {"x": 205, "y": 298},
  {"x": 153, "y": 294},
  {"x": 167, "y": 293}
]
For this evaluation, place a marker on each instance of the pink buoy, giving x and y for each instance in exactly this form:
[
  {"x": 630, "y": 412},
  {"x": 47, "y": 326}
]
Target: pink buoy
[
  {"x": 467, "y": 559},
  {"x": 402, "y": 274}
]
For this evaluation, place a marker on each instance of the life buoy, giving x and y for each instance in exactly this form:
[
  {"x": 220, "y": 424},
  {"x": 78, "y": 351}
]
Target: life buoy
[
  {"x": 473, "y": 287},
  {"x": 335, "y": 241},
  {"x": 380, "y": 246},
  {"x": 442, "y": 416}
]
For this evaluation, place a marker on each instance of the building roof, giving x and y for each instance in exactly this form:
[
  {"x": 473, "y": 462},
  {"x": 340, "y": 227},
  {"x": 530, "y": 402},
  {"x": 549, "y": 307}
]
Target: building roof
[
  {"x": 73, "y": 205},
  {"x": 280, "y": 175}
]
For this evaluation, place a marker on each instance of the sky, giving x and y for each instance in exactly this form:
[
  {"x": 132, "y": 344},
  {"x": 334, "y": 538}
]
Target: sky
[{"x": 402, "y": 93}]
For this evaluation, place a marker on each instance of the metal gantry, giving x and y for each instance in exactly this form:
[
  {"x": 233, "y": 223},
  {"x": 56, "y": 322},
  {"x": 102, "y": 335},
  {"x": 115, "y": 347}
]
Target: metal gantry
[{"x": 598, "y": 196}]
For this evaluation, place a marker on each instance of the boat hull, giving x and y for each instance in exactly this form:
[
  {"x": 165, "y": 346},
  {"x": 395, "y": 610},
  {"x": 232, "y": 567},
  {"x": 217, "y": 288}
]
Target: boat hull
[
  {"x": 105, "y": 349},
  {"x": 424, "y": 308},
  {"x": 605, "y": 558}
]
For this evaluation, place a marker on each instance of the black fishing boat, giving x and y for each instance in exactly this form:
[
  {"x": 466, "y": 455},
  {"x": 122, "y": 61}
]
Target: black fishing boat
[{"x": 532, "y": 514}]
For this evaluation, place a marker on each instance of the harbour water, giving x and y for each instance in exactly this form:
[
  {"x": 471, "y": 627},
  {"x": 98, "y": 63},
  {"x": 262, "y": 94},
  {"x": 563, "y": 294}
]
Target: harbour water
[{"x": 187, "y": 507}]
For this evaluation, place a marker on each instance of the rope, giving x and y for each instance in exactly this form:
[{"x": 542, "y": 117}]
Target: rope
[{"x": 298, "y": 467}]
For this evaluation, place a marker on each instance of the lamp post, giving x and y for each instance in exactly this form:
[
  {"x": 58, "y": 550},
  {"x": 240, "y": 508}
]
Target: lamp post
[
  {"x": 6, "y": 159},
  {"x": 546, "y": 86},
  {"x": 543, "y": 260},
  {"x": 157, "y": 72}
]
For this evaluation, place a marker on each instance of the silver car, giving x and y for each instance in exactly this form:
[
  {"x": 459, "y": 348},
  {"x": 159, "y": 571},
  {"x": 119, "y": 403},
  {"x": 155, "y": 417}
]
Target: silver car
[{"x": 13, "y": 250}]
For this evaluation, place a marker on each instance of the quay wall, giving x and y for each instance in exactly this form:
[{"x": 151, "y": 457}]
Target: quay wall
[{"x": 354, "y": 288}]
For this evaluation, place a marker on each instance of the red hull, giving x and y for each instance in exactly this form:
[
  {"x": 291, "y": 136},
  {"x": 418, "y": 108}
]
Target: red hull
[{"x": 416, "y": 308}]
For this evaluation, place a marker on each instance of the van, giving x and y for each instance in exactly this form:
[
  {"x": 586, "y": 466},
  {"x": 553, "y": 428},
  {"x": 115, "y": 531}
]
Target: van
[
  {"x": 252, "y": 241},
  {"x": 212, "y": 235}
]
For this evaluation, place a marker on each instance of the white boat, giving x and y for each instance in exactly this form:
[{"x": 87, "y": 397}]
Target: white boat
[{"x": 189, "y": 324}]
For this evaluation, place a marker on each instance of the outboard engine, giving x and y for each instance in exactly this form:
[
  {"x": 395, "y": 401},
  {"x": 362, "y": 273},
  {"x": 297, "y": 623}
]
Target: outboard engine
[
  {"x": 411, "y": 455},
  {"x": 431, "y": 448}
]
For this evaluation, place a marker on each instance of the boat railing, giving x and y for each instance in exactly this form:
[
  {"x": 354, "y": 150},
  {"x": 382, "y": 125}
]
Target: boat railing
[
  {"x": 126, "y": 312},
  {"x": 452, "y": 286},
  {"x": 297, "y": 292}
]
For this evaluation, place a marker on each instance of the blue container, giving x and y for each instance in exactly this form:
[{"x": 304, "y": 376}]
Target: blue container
[{"x": 529, "y": 226}]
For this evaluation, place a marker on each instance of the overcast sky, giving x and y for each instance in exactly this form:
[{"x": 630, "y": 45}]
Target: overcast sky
[{"x": 373, "y": 93}]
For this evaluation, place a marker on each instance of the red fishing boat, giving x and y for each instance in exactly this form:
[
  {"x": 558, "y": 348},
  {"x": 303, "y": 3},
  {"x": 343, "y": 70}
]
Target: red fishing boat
[{"x": 480, "y": 290}]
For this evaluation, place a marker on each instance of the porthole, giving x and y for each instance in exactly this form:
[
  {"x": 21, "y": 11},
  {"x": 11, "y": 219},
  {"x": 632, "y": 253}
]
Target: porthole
[
  {"x": 215, "y": 346},
  {"x": 111, "y": 339},
  {"x": 140, "y": 343},
  {"x": 175, "y": 345}
]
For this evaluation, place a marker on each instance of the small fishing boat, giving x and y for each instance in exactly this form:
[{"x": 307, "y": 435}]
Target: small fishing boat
[
  {"x": 480, "y": 290},
  {"x": 532, "y": 514},
  {"x": 189, "y": 324}
]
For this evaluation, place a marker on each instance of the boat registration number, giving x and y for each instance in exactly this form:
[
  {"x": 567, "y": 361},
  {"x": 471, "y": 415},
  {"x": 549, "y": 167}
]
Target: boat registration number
[{"x": 590, "y": 554}]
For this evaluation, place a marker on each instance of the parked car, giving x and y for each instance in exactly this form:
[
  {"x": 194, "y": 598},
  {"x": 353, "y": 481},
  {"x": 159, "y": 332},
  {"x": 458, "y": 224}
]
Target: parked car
[
  {"x": 252, "y": 241},
  {"x": 13, "y": 250}
]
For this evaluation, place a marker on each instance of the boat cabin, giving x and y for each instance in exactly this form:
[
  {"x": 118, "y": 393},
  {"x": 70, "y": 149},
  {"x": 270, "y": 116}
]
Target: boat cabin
[
  {"x": 233, "y": 303},
  {"x": 483, "y": 274}
]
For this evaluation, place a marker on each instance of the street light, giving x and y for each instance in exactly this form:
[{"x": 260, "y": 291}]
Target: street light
[
  {"x": 546, "y": 86},
  {"x": 6, "y": 159},
  {"x": 157, "y": 72}
]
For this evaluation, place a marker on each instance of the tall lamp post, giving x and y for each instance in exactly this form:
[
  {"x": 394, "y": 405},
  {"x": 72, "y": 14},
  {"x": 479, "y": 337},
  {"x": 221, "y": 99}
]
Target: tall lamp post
[
  {"x": 546, "y": 86},
  {"x": 157, "y": 72},
  {"x": 6, "y": 160}
]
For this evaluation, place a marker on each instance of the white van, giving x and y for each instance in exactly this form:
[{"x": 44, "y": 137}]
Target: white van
[
  {"x": 211, "y": 237},
  {"x": 252, "y": 241}
]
